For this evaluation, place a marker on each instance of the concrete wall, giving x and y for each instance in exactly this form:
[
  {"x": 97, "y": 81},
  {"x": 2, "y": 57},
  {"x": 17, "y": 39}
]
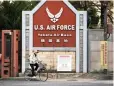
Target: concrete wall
[
  {"x": 81, "y": 49},
  {"x": 50, "y": 58},
  {"x": 94, "y": 38}
]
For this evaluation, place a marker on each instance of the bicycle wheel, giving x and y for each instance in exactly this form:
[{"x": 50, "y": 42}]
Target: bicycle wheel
[
  {"x": 28, "y": 74},
  {"x": 43, "y": 74}
]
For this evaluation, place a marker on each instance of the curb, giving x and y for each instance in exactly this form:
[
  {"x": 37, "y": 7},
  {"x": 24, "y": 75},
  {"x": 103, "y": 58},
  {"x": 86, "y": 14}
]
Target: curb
[{"x": 49, "y": 79}]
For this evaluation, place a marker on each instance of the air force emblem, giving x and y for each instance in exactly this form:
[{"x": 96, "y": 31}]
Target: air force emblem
[{"x": 54, "y": 18}]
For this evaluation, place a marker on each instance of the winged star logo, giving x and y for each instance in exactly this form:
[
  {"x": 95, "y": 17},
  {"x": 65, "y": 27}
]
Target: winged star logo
[{"x": 54, "y": 18}]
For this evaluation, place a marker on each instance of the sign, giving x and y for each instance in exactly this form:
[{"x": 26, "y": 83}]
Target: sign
[
  {"x": 54, "y": 25},
  {"x": 64, "y": 63},
  {"x": 103, "y": 54}
]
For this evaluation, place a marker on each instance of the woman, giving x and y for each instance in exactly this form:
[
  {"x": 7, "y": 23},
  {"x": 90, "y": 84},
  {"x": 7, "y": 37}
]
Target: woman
[{"x": 34, "y": 62}]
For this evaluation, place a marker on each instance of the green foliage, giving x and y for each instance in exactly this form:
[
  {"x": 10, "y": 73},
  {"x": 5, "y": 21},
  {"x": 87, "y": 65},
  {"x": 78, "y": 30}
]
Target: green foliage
[
  {"x": 97, "y": 71},
  {"x": 11, "y": 13},
  {"x": 92, "y": 18}
]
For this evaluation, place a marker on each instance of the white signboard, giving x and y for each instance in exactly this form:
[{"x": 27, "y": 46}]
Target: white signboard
[{"x": 64, "y": 63}]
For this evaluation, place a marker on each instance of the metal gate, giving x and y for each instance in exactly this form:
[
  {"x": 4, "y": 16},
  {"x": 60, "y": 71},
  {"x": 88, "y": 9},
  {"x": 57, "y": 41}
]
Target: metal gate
[{"x": 9, "y": 61}]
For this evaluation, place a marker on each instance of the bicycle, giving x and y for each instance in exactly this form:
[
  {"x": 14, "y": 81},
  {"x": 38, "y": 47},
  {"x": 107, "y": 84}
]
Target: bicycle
[{"x": 41, "y": 72}]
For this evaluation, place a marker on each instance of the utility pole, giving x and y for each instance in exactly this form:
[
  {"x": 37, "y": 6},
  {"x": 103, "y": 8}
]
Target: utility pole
[
  {"x": 104, "y": 5},
  {"x": 104, "y": 18}
]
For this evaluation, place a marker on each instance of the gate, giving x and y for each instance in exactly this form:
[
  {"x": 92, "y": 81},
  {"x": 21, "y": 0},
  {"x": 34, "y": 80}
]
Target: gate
[{"x": 9, "y": 61}]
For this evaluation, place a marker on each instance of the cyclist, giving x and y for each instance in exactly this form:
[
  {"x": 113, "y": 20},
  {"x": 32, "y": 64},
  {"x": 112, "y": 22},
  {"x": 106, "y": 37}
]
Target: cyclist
[{"x": 34, "y": 62}]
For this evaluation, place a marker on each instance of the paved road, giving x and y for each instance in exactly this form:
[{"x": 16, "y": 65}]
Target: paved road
[{"x": 55, "y": 83}]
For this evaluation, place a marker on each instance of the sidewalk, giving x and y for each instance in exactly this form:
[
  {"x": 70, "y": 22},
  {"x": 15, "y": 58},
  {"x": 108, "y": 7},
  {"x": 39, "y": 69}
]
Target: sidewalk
[
  {"x": 63, "y": 80},
  {"x": 49, "y": 79},
  {"x": 78, "y": 79},
  {"x": 68, "y": 77}
]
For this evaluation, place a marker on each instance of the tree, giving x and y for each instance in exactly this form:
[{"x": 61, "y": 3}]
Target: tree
[
  {"x": 93, "y": 8},
  {"x": 11, "y": 13},
  {"x": 92, "y": 16}
]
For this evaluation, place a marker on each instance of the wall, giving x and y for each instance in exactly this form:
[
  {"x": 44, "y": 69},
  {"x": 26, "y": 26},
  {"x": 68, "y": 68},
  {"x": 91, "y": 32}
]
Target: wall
[
  {"x": 50, "y": 58},
  {"x": 94, "y": 38}
]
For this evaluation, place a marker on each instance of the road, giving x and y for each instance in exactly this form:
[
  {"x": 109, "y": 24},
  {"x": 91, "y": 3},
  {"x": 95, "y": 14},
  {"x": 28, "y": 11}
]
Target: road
[{"x": 54, "y": 83}]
